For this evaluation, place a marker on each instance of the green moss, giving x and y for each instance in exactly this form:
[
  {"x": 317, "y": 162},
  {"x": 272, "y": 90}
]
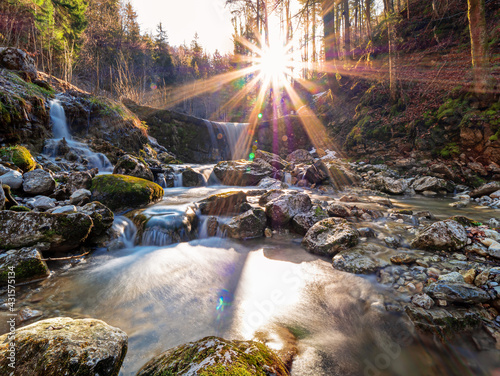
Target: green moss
[
  {"x": 450, "y": 150},
  {"x": 19, "y": 156},
  {"x": 19, "y": 208}
]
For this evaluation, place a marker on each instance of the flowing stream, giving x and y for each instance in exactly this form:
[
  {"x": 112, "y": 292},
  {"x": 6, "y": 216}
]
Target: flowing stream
[{"x": 271, "y": 289}]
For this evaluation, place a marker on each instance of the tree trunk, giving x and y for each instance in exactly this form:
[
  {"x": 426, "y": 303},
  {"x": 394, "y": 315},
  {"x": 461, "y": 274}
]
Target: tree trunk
[
  {"x": 479, "y": 47},
  {"x": 389, "y": 13},
  {"x": 347, "y": 29},
  {"x": 328, "y": 10}
]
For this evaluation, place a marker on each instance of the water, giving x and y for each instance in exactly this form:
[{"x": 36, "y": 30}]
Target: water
[
  {"x": 63, "y": 141},
  {"x": 229, "y": 134},
  {"x": 163, "y": 295}
]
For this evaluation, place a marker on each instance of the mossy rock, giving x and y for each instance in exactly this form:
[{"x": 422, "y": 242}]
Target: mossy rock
[
  {"x": 19, "y": 156},
  {"x": 20, "y": 208},
  {"x": 26, "y": 263},
  {"x": 121, "y": 192},
  {"x": 213, "y": 356}
]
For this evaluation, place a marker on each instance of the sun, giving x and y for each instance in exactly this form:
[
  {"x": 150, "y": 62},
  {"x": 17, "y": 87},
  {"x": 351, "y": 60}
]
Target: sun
[{"x": 274, "y": 63}]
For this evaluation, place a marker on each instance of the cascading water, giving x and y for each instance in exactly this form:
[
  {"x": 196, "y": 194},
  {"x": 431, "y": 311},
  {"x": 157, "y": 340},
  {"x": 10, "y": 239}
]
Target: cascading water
[
  {"x": 126, "y": 231},
  {"x": 230, "y": 134},
  {"x": 63, "y": 140}
]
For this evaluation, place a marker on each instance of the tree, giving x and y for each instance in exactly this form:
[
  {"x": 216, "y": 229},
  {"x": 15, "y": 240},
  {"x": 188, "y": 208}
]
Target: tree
[{"x": 479, "y": 46}]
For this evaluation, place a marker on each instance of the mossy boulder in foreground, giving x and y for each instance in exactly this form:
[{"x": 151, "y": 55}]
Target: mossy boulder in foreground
[
  {"x": 18, "y": 156},
  {"x": 121, "y": 192},
  {"x": 27, "y": 265},
  {"x": 63, "y": 346},
  {"x": 214, "y": 356}
]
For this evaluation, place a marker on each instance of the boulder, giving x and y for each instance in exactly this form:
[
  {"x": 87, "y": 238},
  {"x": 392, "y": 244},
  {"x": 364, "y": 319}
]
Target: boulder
[
  {"x": 26, "y": 263},
  {"x": 64, "y": 209},
  {"x": 453, "y": 292},
  {"x": 19, "y": 156},
  {"x": 338, "y": 210},
  {"x": 61, "y": 232},
  {"x": 422, "y": 300},
  {"x": 281, "y": 210},
  {"x": 79, "y": 180},
  {"x": 431, "y": 183},
  {"x": 131, "y": 166},
  {"x": 439, "y": 320},
  {"x": 80, "y": 197},
  {"x": 18, "y": 60},
  {"x": 486, "y": 189},
  {"x": 120, "y": 192},
  {"x": 242, "y": 172},
  {"x": 269, "y": 196},
  {"x": 102, "y": 218},
  {"x": 38, "y": 182},
  {"x": 248, "y": 225},
  {"x": 388, "y": 185},
  {"x": 271, "y": 183},
  {"x": 302, "y": 222},
  {"x": 447, "y": 235},
  {"x": 317, "y": 173},
  {"x": 274, "y": 160},
  {"x": 216, "y": 356},
  {"x": 63, "y": 346},
  {"x": 191, "y": 178},
  {"x": 300, "y": 156},
  {"x": 228, "y": 203},
  {"x": 43, "y": 203},
  {"x": 330, "y": 236},
  {"x": 360, "y": 260},
  {"x": 13, "y": 179}
]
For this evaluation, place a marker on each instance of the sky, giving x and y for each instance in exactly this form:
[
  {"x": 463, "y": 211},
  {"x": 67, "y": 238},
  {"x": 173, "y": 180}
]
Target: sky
[{"x": 183, "y": 18}]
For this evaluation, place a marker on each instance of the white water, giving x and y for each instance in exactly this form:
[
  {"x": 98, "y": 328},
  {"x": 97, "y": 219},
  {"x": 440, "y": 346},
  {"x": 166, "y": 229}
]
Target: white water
[
  {"x": 61, "y": 132},
  {"x": 229, "y": 134}
]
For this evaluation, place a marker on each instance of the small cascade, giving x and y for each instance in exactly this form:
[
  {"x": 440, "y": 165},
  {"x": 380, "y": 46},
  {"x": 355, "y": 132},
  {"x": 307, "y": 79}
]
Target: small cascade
[
  {"x": 126, "y": 231},
  {"x": 165, "y": 227},
  {"x": 227, "y": 134},
  {"x": 161, "y": 181},
  {"x": 178, "y": 180},
  {"x": 62, "y": 144}
]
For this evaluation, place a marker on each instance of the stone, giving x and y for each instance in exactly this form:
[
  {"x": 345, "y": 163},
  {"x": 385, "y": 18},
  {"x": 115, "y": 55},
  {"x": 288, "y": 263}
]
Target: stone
[
  {"x": 80, "y": 197},
  {"x": 317, "y": 173},
  {"x": 447, "y": 235},
  {"x": 38, "y": 182},
  {"x": 61, "y": 232},
  {"x": 121, "y": 192},
  {"x": 102, "y": 218},
  {"x": 469, "y": 276},
  {"x": 64, "y": 209},
  {"x": 3, "y": 199},
  {"x": 486, "y": 189},
  {"x": 27, "y": 263},
  {"x": 457, "y": 293},
  {"x": 70, "y": 347},
  {"x": 482, "y": 278},
  {"x": 281, "y": 210},
  {"x": 422, "y": 300},
  {"x": 338, "y": 210},
  {"x": 330, "y": 236},
  {"x": 300, "y": 156},
  {"x": 242, "y": 172},
  {"x": 274, "y": 160},
  {"x": 438, "y": 320},
  {"x": 26, "y": 314},
  {"x": 216, "y": 356},
  {"x": 363, "y": 259},
  {"x": 302, "y": 222},
  {"x": 403, "y": 258},
  {"x": 18, "y": 60},
  {"x": 248, "y": 225},
  {"x": 431, "y": 183},
  {"x": 271, "y": 183},
  {"x": 78, "y": 180},
  {"x": 227, "y": 203},
  {"x": 13, "y": 179},
  {"x": 495, "y": 194},
  {"x": 19, "y": 156},
  {"x": 191, "y": 178},
  {"x": 43, "y": 203},
  {"x": 388, "y": 185},
  {"x": 132, "y": 166},
  {"x": 452, "y": 277},
  {"x": 459, "y": 204},
  {"x": 268, "y": 233},
  {"x": 269, "y": 196}
]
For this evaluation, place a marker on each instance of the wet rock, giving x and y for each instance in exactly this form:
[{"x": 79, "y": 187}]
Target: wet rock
[
  {"x": 393, "y": 241},
  {"x": 18, "y": 60},
  {"x": 270, "y": 183},
  {"x": 388, "y": 185},
  {"x": 445, "y": 235},
  {"x": 120, "y": 192},
  {"x": 367, "y": 232},
  {"x": 26, "y": 262},
  {"x": 13, "y": 179},
  {"x": 444, "y": 320},
  {"x": 403, "y": 258},
  {"x": 102, "y": 218},
  {"x": 422, "y": 300},
  {"x": 454, "y": 277},
  {"x": 432, "y": 184},
  {"x": 79, "y": 180},
  {"x": 26, "y": 314},
  {"x": 191, "y": 178},
  {"x": 469, "y": 276},
  {"x": 330, "y": 236},
  {"x": 274, "y": 160},
  {"x": 131, "y": 166},
  {"x": 43, "y": 203},
  {"x": 62, "y": 232},
  {"x": 70, "y": 347},
  {"x": 457, "y": 292},
  {"x": 213, "y": 356},
  {"x": 338, "y": 210},
  {"x": 228, "y": 203},
  {"x": 317, "y": 173},
  {"x": 64, "y": 209},
  {"x": 248, "y": 225},
  {"x": 80, "y": 197},
  {"x": 242, "y": 173},
  {"x": 269, "y": 196},
  {"x": 302, "y": 222},
  {"x": 485, "y": 189},
  {"x": 300, "y": 156},
  {"x": 281, "y": 210},
  {"x": 362, "y": 259},
  {"x": 38, "y": 182}
]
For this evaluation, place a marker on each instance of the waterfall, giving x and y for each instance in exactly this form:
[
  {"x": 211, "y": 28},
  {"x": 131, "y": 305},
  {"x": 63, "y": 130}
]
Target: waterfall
[
  {"x": 178, "y": 180},
  {"x": 62, "y": 143},
  {"x": 227, "y": 134},
  {"x": 126, "y": 230}
]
